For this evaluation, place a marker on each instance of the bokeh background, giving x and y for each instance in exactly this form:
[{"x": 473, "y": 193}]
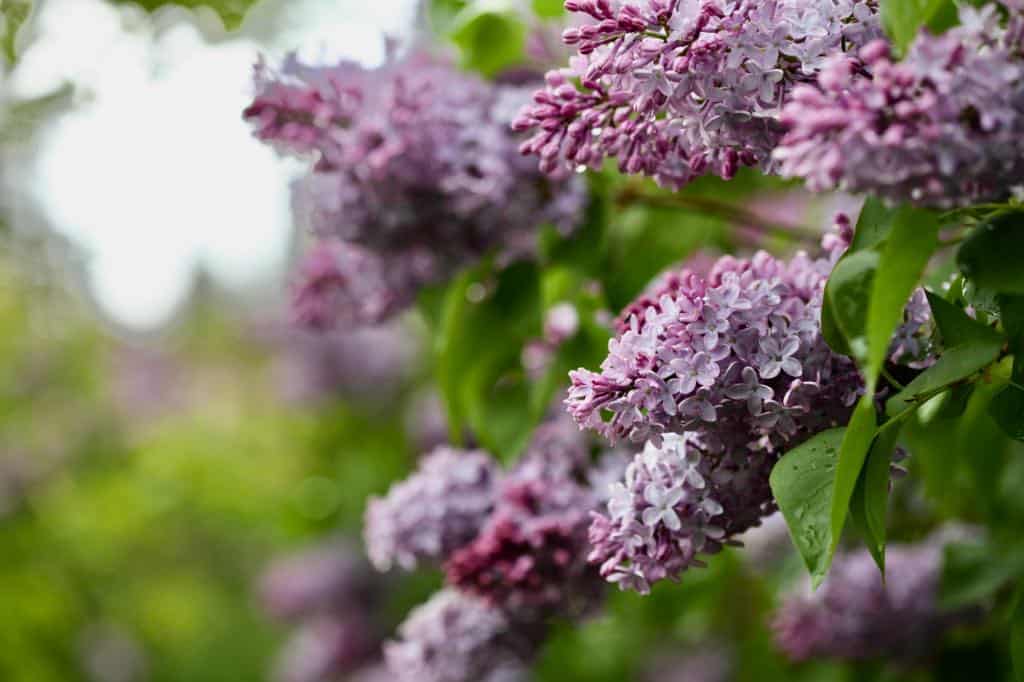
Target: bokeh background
[{"x": 165, "y": 434}]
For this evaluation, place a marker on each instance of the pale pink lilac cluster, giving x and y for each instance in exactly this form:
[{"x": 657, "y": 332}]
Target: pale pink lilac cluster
[
  {"x": 943, "y": 127},
  {"x": 330, "y": 594},
  {"x": 676, "y": 89},
  {"x": 438, "y": 509},
  {"x": 414, "y": 173},
  {"x": 719, "y": 375},
  {"x": 854, "y": 615}
]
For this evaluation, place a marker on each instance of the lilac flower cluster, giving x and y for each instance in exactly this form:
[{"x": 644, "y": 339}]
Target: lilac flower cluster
[
  {"x": 680, "y": 88},
  {"x": 720, "y": 375},
  {"x": 736, "y": 358},
  {"x": 520, "y": 559},
  {"x": 433, "y": 512},
  {"x": 330, "y": 593},
  {"x": 531, "y": 552},
  {"x": 944, "y": 127},
  {"x": 455, "y": 637},
  {"x": 415, "y": 174},
  {"x": 855, "y": 616},
  {"x": 677, "y": 503}
]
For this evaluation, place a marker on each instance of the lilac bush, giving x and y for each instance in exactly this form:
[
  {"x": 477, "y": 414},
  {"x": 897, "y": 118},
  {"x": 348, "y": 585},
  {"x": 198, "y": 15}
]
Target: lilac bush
[
  {"x": 414, "y": 173},
  {"x": 675, "y": 89},
  {"x": 943, "y": 127}
]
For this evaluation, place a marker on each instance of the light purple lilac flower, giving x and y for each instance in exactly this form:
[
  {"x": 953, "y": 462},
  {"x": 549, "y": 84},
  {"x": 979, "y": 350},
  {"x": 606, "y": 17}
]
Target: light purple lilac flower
[
  {"x": 943, "y": 127},
  {"x": 455, "y": 637},
  {"x": 854, "y": 616},
  {"x": 676, "y": 504},
  {"x": 735, "y": 358},
  {"x": 676, "y": 89},
  {"x": 438, "y": 509},
  {"x": 414, "y": 173}
]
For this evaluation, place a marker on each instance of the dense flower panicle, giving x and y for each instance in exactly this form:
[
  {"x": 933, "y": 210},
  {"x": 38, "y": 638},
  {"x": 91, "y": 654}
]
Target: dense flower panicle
[
  {"x": 676, "y": 89},
  {"x": 853, "y": 615},
  {"x": 944, "y": 127},
  {"x": 531, "y": 552},
  {"x": 433, "y": 512},
  {"x": 456, "y": 637},
  {"x": 320, "y": 579},
  {"x": 720, "y": 374},
  {"x": 736, "y": 358},
  {"x": 415, "y": 173},
  {"x": 675, "y": 505},
  {"x": 913, "y": 343}
]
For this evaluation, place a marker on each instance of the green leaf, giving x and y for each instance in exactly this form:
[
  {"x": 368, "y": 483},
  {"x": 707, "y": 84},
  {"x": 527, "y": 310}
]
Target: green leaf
[
  {"x": 231, "y": 12},
  {"x": 870, "y": 502},
  {"x": 991, "y": 256},
  {"x": 802, "y": 483},
  {"x": 1017, "y": 638},
  {"x": 976, "y": 571},
  {"x": 846, "y": 301},
  {"x": 478, "y": 348},
  {"x": 903, "y": 18},
  {"x": 1007, "y": 409},
  {"x": 489, "y": 41},
  {"x": 974, "y": 346},
  {"x": 953, "y": 365},
  {"x": 911, "y": 242},
  {"x": 14, "y": 14},
  {"x": 955, "y": 326},
  {"x": 857, "y": 439},
  {"x": 873, "y": 224}
]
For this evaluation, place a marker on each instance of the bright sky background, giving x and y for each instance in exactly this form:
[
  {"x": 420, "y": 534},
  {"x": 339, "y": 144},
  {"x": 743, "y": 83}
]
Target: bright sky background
[{"x": 153, "y": 172}]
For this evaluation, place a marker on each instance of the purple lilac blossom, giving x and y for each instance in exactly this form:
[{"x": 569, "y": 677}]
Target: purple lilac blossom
[
  {"x": 438, "y": 509},
  {"x": 415, "y": 173},
  {"x": 676, "y": 504},
  {"x": 676, "y": 89},
  {"x": 854, "y": 616},
  {"x": 943, "y": 127},
  {"x": 735, "y": 357},
  {"x": 531, "y": 552},
  {"x": 455, "y": 637},
  {"x": 720, "y": 375}
]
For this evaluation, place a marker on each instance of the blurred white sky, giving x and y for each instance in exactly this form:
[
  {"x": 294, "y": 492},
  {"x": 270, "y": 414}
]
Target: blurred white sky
[{"x": 155, "y": 173}]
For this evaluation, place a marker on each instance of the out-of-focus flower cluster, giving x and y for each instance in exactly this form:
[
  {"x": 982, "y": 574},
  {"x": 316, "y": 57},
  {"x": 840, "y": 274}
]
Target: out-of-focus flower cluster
[
  {"x": 330, "y": 593},
  {"x": 943, "y": 127},
  {"x": 854, "y": 615},
  {"x": 676, "y": 89},
  {"x": 415, "y": 174},
  {"x": 433, "y": 512},
  {"x": 514, "y": 559}
]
